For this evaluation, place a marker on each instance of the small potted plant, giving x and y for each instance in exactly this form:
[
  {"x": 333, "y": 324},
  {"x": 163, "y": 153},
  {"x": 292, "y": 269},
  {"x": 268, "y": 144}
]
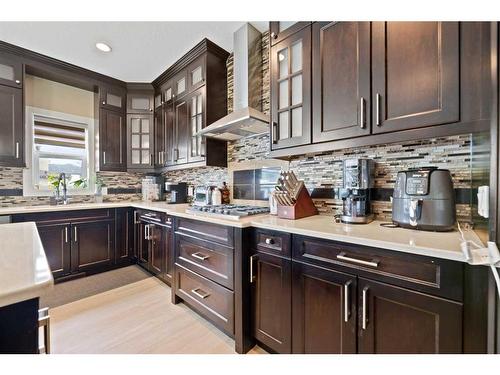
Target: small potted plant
[
  {"x": 54, "y": 183},
  {"x": 99, "y": 184}
]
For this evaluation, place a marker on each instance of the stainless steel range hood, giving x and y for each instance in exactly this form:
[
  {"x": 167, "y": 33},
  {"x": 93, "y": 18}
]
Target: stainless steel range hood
[{"x": 247, "y": 118}]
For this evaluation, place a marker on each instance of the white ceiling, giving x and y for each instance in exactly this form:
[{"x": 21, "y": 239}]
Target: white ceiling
[{"x": 141, "y": 50}]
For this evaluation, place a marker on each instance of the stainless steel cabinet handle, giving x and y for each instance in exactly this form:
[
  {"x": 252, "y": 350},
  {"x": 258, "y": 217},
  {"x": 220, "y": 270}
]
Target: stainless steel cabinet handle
[
  {"x": 135, "y": 218},
  {"x": 347, "y": 310},
  {"x": 159, "y": 157},
  {"x": 252, "y": 276},
  {"x": 76, "y": 233},
  {"x": 200, "y": 256},
  {"x": 269, "y": 241},
  {"x": 275, "y": 134},
  {"x": 103, "y": 102},
  {"x": 146, "y": 227},
  {"x": 362, "y": 121},
  {"x": 274, "y": 35},
  {"x": 377, "y": 110},
  {"x": 104, "y": 157},
  {"x": 372, "y": 263},
  {"x": 365, "y": 307},
  {"x": 17, "y": 150},
  {"x": 17, "y": 81},
  {"x": 66, "y": 234},
  {"x": 198, "y": 294},
  {"x": 151, "y": 158}
]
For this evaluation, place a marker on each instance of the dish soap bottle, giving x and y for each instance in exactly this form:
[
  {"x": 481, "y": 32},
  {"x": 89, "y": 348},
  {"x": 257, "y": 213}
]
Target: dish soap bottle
[{"x": 216, "y": 196}]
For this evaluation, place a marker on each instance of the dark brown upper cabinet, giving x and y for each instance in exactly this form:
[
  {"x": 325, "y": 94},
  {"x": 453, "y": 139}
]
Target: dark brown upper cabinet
[
  {"x": 197, "y": 118},
  {"x": 112, "y": 141},
  {"x": 324, "y": 311},
  {"x": 181, "y": 131},
  {"x": 11, "y": 127},
  {"x": 341, "y": 80},
  {"x": 140, "y": 140},
  {"x": 113, "y": 98},
  {"x": 159, "y": 138},
  {"x": 416, "y": 74},
  {"x": 196, "y": 73},
  {"x": 11, "y": 71},
  {"x": 394, "y": 320},
  {"x": 140, "y": 103},
  {"x": 280, "y": 30},
  {"x": 170, "y": 123},
  {"x": 290, "y": 64}
]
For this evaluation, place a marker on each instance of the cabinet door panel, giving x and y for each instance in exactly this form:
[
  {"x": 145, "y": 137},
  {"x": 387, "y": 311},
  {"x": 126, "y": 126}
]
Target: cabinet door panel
[
  {"x": 181, "y": 132},
  {"x": 56, "y": 243},
  {"x": 92, "y": 245},
  {"x": 141, "y": 137},
  {"x": 401, "y": 321},
  {"x": 159, "y": 138},
  {"x": 158, "y": 248},
  {"x": 169, "y": 254},
  {"x": 341, "y": 80},
  {"x": 11, "y": 71},
  {"x": 280, "y": 30},
  {"x": 143, "y": 244},
  {"x": 290, "y": 64},
  {"x": 169, "y": 120},
  {"x": 271, "y": 301},
  {"x": 112, "y": 135},
  {"x": 196, "y": 115},
  {"x": 11, "y": 127},
  {"x": 324, "y": 310},
  {"x": 415, "y": 74}
]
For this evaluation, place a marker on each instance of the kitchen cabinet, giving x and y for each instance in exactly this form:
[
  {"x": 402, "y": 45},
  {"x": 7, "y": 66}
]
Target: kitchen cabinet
[
  {"x": 394, "y": 320},
  {"x": 271, "y": 279},
  {"x": 141, "y": 137},
  {"x": 143, "y": 245},
  {"x": 124, "y": 235},
  {"x": 140, "y": 102},
  {"x": 92, "y": 245},
  {"x": 56, "y": 243},
  {"x": 113, "y": 98},
  {"x": 112, "y": 141},
  {"x": 196, "y": 116},
  {"x": 290, "y": 64},
  {"x": 341, "y": 80},
  {"x": 11, "y": 127},
  {"x": 324, "y": 310},
  {"x": 11, "y": 71},
  {"x": 280, "y": 30},
  {"x": 181, "y": 131},
  {"x": 415, "y": 70},
  {"x": 160, "y": 138},
  {"x": 170, "y": 123}
]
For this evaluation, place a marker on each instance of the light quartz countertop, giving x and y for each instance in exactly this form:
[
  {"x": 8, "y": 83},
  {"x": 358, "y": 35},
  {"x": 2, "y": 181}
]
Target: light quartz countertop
[
  {"x": 24, "y": 270},
  {"x": 445, "y": 245}
]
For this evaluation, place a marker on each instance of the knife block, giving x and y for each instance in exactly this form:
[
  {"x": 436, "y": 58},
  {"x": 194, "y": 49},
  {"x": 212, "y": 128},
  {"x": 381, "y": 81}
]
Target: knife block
[{"x": 303, "y": 207}]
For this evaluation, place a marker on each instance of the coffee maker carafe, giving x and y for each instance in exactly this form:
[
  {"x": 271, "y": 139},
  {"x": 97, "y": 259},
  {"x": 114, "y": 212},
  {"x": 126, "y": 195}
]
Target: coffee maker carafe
[{"x": 358, "y": 180}]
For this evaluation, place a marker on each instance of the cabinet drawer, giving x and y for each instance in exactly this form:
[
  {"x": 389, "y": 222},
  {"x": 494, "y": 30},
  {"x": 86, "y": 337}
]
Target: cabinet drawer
[
  {"x": 206, "y": 231},
  {"x": 278, "y": 243},
  {"x": 205, "y": 258},
  {"x": 436, "y": 276},
  {"x": 64, "y": 216},
  {"x": 154, "y": 216},
  {"x": 211, "y": 300}
]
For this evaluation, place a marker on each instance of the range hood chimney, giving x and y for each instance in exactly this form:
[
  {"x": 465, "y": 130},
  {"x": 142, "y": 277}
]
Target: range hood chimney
[{"x": 247, "y": 118}]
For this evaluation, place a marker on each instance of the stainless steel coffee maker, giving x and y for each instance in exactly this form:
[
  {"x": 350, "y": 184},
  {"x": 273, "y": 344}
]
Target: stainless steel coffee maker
[{"x": 358, "y": 180}]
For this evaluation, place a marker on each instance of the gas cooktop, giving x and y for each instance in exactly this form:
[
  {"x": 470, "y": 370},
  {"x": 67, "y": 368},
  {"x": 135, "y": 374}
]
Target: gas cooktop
[{"x": 228, "y": 211}]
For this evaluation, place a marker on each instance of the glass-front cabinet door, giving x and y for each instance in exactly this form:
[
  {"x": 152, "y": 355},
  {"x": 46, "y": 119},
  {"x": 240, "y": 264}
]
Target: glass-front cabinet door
[
  {"x": 196, "y": 123},
  {"x": 291, "y": 91},
  {"x": 140, "y": 131},
  {"x": 11, "y": 71}
]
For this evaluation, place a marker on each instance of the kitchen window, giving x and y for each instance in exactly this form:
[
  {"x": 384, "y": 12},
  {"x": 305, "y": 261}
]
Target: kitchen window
[{"x": 58, "y": 143}]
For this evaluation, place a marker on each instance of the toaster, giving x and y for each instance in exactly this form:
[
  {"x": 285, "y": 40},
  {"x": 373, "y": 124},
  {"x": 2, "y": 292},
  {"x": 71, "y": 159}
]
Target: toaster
[{"x": 424, "y": 199}]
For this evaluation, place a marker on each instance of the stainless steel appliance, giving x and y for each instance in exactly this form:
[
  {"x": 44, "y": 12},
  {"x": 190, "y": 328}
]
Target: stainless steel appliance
[
  {"x": 228, "y": 211},
  {"x": 358, "y": 180},
  {"x": 203, "y": 196},
  {"x": 178, "y": 192},
  {"x": 424, "y": 198}
]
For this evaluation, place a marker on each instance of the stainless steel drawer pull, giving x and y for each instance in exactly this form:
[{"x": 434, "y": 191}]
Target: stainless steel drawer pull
[
  {"x": 377, "y": 110},
  {"x": 347, "y": 310},
  {"x": 364, "y": 317},
  {"x": 269, "y": 241},
  {"x": 66, "y": 234},
  {"x": 252, "y": 276},
  {"x": 200, "y": 256},
  {"x": 362, "y": 113},
  {"x": 76, "y": 234},
  {"x": 372, "y": 263},
  {"x": 104, "y": 157},
  {"x": 17, "y": 150},
  {"x": 198, "y": 294}
]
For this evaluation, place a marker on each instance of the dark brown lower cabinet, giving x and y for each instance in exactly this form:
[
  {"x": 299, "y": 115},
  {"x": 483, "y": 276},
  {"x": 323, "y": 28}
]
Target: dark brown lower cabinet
[
  {"x": 92, "y": 245},
  {"x": 56, "y": 243},
  {"x": 394, "y": 320},
  {"x": 324, "y": 310},
  {"x": 271, "y": 301}
]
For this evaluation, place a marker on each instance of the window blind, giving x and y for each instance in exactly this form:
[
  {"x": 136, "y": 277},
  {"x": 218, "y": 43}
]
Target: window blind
[{"x": 59, "y": 135}]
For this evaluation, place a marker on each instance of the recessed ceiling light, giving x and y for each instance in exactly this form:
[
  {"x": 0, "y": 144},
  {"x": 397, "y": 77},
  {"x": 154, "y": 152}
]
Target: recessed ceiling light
[{"x": 101, "y": 46}]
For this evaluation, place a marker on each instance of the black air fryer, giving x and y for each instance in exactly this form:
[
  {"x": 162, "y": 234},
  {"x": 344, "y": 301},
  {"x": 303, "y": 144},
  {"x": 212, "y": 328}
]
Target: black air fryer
[{"x": 424, "y": 198}]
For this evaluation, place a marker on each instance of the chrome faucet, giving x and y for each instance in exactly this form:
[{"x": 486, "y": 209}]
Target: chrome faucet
[{"x": 62, "y": 177}]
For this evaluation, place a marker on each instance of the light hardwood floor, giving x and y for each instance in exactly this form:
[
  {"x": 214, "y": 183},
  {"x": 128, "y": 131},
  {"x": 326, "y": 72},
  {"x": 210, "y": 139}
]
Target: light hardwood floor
[{"x": 136, "y": 318}]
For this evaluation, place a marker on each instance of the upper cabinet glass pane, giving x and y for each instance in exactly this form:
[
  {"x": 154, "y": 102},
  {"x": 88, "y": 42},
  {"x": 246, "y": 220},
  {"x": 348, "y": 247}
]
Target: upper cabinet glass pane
[
  {"x": 114, "y": 100},
  {"x": 198, "y": 105},
  {"x": 193, "y": 106},
  {"x": 196, "y": 75},
  {"x": 297, "y": 57},
  {"x": 286, "y": 24},
  {"x": 284, "y": 125},
  {"x": 141, "y": 103},
  {"x": 168, "y": 94},
  {"x": 283, "y": 63},
  {"x": 297, "y": 122},
  {"x": 283, "y": 94},
  {"x": 297, "y": 89},
  {"x": 145, "y": 125},
  {"x": 7, "y": 72},
  {"x": 135, "y": 125},
  {"x": 181, "y": 85},
  {"x": 157, "y": 100}
]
